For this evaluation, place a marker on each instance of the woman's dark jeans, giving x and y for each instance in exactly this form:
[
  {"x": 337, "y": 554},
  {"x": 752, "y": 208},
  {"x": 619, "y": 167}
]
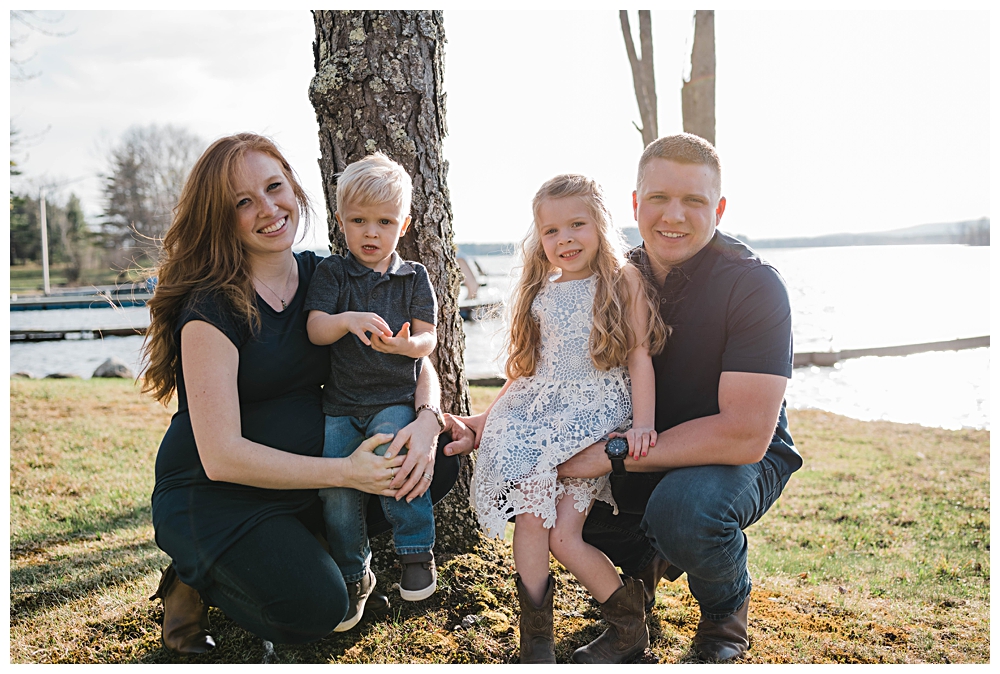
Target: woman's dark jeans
[{"x": 279, "y": 583}]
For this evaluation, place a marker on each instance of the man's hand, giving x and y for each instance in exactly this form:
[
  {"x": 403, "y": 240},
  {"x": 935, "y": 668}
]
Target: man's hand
[
  {"x": 465, "y": 433},
  {"x": 591, "y": 462},
  {"x": 361, "y": 322}
]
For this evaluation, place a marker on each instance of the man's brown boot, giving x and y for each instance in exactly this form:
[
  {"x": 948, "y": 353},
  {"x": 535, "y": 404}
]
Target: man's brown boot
[
  {"x": 185, "y": 616},
  {"x": 650, "y": 576},
  {"x": 537, "y": 643},
  {"x": 726, "y": 639},
  {"x": 627, "y": 635}
]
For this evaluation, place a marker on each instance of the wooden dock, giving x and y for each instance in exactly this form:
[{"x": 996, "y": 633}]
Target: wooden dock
[
  {"x": 830, "y": 358},
  {"x": 132, "y": 295},
  {"x": 57, "y": 335}
]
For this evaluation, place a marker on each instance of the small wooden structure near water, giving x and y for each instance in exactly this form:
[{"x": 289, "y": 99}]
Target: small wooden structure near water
[
  {"x": 830, "y": 358},
  {"x": 95, "y": 297},
  {"x": 83, "y": 333}
]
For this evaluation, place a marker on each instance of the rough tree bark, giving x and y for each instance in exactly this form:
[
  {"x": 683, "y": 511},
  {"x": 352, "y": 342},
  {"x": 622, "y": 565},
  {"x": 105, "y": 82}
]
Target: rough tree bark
[
  {"x": 698, "y": 93},
  {"x": 379, "y": 86},
  {"x": 642, "y": 73}
]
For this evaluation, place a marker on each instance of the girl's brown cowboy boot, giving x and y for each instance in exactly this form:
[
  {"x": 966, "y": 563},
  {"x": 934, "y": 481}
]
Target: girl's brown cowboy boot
[
  {"x": 537, "y": 643},
  {"x": 627, "y": 635}
]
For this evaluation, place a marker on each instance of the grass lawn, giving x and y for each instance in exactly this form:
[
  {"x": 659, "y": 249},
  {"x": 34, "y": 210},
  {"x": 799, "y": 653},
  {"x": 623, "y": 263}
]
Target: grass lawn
[
  {"x": 27, "y": 278},
  {"x": 878, "y": 551}
]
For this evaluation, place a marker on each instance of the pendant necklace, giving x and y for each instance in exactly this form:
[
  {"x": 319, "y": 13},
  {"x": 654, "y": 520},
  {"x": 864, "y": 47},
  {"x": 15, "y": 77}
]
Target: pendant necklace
[{"x": 284, "y": 304}]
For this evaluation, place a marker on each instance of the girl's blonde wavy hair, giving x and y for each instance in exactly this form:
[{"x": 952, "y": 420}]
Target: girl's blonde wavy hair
[
  {"x": 611, "y": 337},
  {"x": 203, "y": 253}
]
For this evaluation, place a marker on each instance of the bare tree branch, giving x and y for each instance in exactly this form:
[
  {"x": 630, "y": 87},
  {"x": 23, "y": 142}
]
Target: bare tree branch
[
  {"x": 642, "y": 73},
  {"x": 31, "y": 20}
]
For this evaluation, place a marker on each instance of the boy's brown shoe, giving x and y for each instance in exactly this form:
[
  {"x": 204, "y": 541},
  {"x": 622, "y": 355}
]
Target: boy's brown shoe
[
  {"x": 358, "y": 593},
  {"x": 419, "y": 578}
]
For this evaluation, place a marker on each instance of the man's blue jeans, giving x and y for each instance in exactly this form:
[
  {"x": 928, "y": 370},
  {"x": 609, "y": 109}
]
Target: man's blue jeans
[
  {"x": 695, "y": 519},
  {"x": 344, "y": 510}
]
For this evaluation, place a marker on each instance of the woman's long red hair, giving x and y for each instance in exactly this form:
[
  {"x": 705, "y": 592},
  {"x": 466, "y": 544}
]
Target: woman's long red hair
[{"x": 202, "y": 253}]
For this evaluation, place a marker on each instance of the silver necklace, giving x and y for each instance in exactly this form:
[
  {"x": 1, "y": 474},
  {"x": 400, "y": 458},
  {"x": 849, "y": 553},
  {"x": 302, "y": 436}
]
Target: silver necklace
[{"x": 284, "y": 304}]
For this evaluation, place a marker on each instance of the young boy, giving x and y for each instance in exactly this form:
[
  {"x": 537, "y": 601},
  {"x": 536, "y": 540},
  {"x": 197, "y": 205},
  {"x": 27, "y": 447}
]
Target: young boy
[{"x": 370, "y": 389}]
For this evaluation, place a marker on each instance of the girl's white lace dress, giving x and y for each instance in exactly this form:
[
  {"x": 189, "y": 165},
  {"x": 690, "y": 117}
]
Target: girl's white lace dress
[{"x": 543, "y": 420}]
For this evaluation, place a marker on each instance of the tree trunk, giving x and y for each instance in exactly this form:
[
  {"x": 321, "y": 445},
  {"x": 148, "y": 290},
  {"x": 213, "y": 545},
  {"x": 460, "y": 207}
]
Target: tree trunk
[
  {"x": 642, "y": 72},
  {"x": 379, "y": 86},
  {"x": 698, "y": 93}
]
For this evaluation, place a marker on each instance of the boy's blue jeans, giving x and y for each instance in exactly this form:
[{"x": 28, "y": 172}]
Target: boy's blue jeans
[{"x": 344, "y": 509}]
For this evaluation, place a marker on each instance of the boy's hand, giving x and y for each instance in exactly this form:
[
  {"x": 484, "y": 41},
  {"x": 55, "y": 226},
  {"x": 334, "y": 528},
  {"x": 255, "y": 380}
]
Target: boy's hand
[
  {"x": 639, "y": 441},
  {"x": 388, "y": 344},
  {"x": 361, "y": 322}
]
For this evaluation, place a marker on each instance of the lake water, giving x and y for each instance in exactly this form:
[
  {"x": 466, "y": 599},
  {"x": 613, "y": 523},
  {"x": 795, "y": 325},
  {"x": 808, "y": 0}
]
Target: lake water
[{"x": 842, "y": 298}]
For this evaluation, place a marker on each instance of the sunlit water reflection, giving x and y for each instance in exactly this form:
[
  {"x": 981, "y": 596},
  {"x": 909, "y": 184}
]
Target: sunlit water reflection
[{"x": 842, "y": 298}]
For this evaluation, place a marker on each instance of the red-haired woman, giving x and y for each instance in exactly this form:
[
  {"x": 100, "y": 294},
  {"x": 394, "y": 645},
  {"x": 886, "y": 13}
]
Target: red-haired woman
[{"x": 235, "y": 504}]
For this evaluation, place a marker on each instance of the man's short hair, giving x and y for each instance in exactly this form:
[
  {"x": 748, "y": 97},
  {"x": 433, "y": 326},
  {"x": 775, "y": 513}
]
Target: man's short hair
[
  {"x": 683, "y": 148},
  {"x": 376, "y": 179}
]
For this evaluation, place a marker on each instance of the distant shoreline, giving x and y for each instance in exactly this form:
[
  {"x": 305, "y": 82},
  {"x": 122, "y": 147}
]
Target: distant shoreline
[{"x": 966, "y": 232}]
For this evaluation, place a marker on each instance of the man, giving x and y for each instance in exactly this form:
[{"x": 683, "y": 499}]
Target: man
[{"x": 723, "y": 453}]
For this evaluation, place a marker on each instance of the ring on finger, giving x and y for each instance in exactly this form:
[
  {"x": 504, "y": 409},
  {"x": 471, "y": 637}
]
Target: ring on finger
[
  {"x": 428, "y": 477},
  {"x": 392, "y": 473}
]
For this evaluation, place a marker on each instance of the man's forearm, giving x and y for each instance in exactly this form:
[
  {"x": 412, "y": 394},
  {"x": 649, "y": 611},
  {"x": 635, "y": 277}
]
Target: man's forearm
[
  {"x": 700, "y": 442},
  {"x": 428, "y": 390},
  {"x": 739, "y": 434}
]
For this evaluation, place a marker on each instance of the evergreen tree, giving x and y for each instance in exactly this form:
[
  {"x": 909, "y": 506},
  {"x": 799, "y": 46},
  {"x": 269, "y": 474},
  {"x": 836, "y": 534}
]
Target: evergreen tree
[{"x": 146, "y": 173}]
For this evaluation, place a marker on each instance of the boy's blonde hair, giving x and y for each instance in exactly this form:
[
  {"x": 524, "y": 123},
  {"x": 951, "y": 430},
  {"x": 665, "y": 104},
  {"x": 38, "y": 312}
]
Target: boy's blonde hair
[
  {"x": 376, "y": 179},
  {"x": 611, "y": 337}
]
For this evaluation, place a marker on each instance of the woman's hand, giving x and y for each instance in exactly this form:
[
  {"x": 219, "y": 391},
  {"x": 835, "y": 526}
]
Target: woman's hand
[
  {"x": 465, "y": 433},
  {"x": 371, "y": 473},
  {"x": 417, "y": 469}
]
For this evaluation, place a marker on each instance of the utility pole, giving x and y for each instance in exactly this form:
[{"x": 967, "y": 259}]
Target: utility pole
[{"x": 45, "y": 243}]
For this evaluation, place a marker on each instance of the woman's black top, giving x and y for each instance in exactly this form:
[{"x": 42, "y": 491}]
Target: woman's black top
[{"x": 279, "y": 382}]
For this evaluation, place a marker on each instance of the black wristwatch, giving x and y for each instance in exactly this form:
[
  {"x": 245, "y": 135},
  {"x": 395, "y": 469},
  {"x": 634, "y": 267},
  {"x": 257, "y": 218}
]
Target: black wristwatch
[{"x": 617, "y": 450}]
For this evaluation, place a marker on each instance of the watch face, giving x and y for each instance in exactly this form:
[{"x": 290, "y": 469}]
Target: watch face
[{"x": 616, "y": 448}]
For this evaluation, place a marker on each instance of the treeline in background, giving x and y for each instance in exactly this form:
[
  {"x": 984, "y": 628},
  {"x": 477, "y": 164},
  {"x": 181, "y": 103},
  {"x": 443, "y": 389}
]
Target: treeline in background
[{"x": 145, "y": 171}]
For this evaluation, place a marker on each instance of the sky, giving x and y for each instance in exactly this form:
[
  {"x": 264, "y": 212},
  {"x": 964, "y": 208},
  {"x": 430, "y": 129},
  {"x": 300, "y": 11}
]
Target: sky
[{"x": 827, "y": 121}]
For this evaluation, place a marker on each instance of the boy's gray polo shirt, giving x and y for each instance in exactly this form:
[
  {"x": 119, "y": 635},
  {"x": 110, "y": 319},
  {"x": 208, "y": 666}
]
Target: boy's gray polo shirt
[{"x": 363, "y": 381}]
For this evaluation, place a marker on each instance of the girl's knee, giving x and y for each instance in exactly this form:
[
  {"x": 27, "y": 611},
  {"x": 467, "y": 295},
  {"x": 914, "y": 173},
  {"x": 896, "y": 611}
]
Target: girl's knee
[{"x": 565, "y": 546}]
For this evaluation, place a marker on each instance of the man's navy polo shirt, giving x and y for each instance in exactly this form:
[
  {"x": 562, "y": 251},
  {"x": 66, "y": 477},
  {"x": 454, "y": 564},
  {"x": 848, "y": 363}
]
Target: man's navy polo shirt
[
  {"x": 364, "y": 381},
  {"x": 729, "y": 312}
]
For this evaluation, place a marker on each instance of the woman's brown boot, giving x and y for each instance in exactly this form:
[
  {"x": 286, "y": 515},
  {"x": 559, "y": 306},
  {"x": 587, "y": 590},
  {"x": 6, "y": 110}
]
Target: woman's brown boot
[
  {"x": 627, "y": 635},
  {"x": 537, "y": 643},
  {"x": 185, "y": 616}
]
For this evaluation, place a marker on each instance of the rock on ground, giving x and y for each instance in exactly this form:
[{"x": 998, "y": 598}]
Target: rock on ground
[{"x": 113, "y": 368}]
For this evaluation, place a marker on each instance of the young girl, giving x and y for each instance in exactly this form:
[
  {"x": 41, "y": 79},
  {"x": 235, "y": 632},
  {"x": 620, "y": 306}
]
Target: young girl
[{"x": 581, "y": 327}]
